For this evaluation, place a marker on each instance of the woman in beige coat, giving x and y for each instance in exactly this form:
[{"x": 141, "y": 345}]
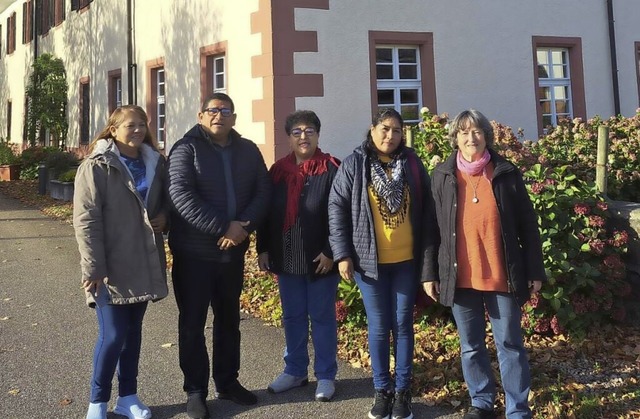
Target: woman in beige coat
[{"x": 119, "y": 214}]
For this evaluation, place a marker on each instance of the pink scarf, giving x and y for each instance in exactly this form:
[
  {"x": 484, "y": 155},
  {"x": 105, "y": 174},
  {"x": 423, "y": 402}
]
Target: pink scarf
[{"x": 472, "y": 168}]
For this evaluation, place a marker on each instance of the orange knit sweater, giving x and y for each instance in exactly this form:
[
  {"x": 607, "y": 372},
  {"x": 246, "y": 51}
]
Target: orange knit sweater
[{"x": 480, "y": 253}]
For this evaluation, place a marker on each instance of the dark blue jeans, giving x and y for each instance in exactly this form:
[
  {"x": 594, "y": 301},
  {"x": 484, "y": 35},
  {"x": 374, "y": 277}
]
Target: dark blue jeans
[
  {"x": 200, "y": 284},
  {"x": 389, "y": 303},
  {"x": 504, "y": 314},
  {"x": 305, "y": 300},
  {"x": 117, "y": 347}
]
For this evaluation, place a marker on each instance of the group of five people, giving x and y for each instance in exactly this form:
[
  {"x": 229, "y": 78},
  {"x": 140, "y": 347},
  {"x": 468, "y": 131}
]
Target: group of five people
[{"x": 468, "y": 235}]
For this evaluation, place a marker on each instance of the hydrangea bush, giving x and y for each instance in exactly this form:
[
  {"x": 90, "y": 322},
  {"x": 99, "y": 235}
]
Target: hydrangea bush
[{"x": 583, "y": 257}]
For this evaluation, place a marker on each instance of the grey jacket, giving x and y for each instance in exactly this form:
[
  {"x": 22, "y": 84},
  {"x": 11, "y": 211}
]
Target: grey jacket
[{"x": 111, "y": 221}]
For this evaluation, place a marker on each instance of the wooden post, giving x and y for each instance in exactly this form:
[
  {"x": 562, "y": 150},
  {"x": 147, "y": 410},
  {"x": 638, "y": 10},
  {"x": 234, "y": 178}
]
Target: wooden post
[
  {"x": 408, "y": 135},
  {"x": 601, "y": 162}
]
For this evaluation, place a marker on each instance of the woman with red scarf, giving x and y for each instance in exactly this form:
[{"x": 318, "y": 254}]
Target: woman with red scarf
[{"x": 294, "y": 245}]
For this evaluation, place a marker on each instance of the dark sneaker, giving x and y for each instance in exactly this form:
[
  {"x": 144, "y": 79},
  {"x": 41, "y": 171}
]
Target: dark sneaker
[
  {"x": 477, "y": 413},
  {"x": 238, "y": 394},
  {"x": 197, "y": 406},
  {"x": 402, "y": 405},
  {"x": 382, "y": 403}
]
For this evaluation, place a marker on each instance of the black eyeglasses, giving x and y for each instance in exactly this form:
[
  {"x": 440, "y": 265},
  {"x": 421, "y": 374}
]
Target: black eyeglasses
[
  {"x": 226, "y": 112},
  {"x": 297, "y": 132}
]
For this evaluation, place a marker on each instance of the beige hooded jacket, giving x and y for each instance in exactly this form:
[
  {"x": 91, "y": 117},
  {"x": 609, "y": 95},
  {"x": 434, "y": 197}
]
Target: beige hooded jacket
[{"x": 116, "y": 241}]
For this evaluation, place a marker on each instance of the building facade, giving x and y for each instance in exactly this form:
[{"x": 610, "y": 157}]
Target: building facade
[{"x": 522, "y": 63}]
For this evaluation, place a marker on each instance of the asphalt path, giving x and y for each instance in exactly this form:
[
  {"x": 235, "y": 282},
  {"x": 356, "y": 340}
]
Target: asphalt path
[{"x": 47, "y": 335}]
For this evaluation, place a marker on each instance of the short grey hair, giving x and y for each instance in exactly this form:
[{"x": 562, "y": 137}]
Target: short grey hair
[{"x": 467, "y": 118}]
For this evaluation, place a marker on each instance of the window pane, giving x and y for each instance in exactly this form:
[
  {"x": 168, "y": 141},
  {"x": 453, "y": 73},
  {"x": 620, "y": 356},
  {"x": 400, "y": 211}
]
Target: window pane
[
  {"x": 545, "y": 105},
  {"x": 219, "y": 65},
  {"x": 161, "y": 76},
  {"x": 408, "y": 72},
  {"x": 384, "y": 55},
  {"x": 385, "y": 97},
  {"x": 560, "y": 71},
  {"x": 384, "y": 72},
  {"x": 561, "y": 106},
  {"x": 545, "y": 93},
  {"x": 409, "y": 96},
  {"x": 219, "y": 82},
  {"x": 407, "y": 55},
  {"x": 542, "y": 72},
  {"x": 560, "y": 92},
  {"x": 409, "y": 112},
  {"x": 546, "y": 120},
  {"x": 542, "y": 56},
  {"x": 558, "y": 57}
]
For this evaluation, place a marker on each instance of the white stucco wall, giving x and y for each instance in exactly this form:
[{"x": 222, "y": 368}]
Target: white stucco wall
[
  {"x": 482, "y": 54},
  {"x": 93, "y": 42}
]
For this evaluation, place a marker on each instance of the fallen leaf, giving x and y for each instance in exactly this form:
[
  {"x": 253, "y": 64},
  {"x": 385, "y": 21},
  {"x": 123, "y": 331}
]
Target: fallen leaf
[
  {"x": 455, "y": 403},
  {"x": 14, "y": 392},
  {"x": 66, "y": 401},
  {"x": 167, "y": 345},
  {"x": 5, "y": 318}
]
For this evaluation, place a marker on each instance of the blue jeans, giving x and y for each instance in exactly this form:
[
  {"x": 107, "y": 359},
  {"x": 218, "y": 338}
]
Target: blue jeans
[
  {"x": 117, "y": 347},
  {"x": 307, "y": 300},
  {"x": 504, "y": 314},
  {"x": 389, "y": 303}
]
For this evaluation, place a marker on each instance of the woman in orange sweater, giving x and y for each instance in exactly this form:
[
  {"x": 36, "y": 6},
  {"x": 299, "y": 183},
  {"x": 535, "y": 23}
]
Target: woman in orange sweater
[{"x": 490, "y": 259}]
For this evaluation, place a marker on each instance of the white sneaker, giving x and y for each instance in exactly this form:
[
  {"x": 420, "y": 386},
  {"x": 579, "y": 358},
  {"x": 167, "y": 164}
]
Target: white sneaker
[
  {"x": 286, "y": 382},
  {"x": 325, "y": 390},
  {"x": 97, "y": 411},
  {"x": 131, "y": 407}
]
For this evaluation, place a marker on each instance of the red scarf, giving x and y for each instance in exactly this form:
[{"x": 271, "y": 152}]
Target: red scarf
[{"x": 295, "y": 175}]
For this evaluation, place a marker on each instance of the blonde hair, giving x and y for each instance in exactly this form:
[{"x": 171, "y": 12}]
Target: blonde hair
[{"x": 117, "y": 117}]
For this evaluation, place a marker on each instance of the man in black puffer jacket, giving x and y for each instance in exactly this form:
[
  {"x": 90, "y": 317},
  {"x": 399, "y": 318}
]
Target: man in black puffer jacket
[{"x": 219, "y": 189}]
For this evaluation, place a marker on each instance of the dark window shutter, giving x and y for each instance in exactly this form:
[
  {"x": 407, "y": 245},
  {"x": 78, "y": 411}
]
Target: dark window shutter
[{"x": 75, "y": 4}]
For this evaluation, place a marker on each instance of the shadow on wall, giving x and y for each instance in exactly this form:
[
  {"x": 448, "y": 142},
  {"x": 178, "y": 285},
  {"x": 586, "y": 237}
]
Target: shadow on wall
[
  {"x": 181, "y": 35},
  {"x": 95, "y": 42}
]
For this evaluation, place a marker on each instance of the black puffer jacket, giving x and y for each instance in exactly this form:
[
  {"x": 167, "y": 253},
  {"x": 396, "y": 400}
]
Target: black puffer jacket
[
  {"x": 351, "y": 226},
  {"x": 200, "y": 196},
  {"x": 520, "y": 235},
  {"x": 314, "y": 222}
]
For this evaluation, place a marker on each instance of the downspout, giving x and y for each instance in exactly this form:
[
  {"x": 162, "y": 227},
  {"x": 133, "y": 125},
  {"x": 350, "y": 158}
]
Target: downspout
[
  {"x": 34, "y": 6},
  {"x": 614, "y": 60},
  {"x": 131, "y": 66}
]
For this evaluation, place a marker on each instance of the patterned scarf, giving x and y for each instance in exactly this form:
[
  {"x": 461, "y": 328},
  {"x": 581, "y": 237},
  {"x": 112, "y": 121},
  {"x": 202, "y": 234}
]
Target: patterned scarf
[
  {"x": 295, "y": 175},
  {"x": 390, "y": 189}
]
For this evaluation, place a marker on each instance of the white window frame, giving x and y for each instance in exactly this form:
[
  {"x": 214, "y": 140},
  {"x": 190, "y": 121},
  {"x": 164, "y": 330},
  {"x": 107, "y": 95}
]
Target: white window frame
[
  {"x": 160, "y": 100},
  {"x": 397, "y": 84},
  {"x": 214, "y": 74},
  {"x": 552, "y": 82}
]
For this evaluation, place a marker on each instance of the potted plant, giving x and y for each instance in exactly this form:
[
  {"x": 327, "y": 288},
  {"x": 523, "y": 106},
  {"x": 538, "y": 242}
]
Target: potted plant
[
  {"x": 62, "y": 187},
  {"x": 9, "y": 161}
]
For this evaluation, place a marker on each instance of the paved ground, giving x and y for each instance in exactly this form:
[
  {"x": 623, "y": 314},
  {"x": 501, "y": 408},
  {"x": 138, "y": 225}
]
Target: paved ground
[{"x": 47, "y": 335}]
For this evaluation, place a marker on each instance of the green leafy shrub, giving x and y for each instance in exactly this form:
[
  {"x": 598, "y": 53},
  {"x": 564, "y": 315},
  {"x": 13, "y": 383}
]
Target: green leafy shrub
[
  {"x": 8, "y": 153},
  {"x": 60, "y": 161},
  {"x": 583, "y": 258},
  {"x": 68, "y": 176},
  {"x": 31, "y": 158}
]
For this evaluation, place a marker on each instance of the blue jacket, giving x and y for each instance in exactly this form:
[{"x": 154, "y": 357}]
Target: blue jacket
[
  {"x": 519, "y": 223},
  {"x": 352, "y": 233},
  {"x": 206, "y": 197}
]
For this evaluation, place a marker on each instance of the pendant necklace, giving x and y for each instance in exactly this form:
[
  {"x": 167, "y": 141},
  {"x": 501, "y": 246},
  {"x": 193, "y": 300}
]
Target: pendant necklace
[{"x": 475, "y": 199}]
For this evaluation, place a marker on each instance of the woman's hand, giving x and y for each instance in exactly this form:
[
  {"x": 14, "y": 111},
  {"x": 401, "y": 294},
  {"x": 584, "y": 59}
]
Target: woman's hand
[
  {"x": 91, "y": 285},
  {"x": 345, "y": 267},
  {"x": 325, "y": 264},
  {"x": 159, "y": 223},
  {"x": 534, "y": 286},
  {"x": 263, "y": 261},
  {"x": 432, "y": 289}
]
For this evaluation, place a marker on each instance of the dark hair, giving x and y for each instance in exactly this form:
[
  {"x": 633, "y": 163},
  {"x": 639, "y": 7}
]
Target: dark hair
[
  {"x": 302, "y": 117},
  {"x": 217, "y": 96},
  {"x": 117, "y": 117},
  {"x": 382, "y": 115},
  {"x": 467, "y": 118}
]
